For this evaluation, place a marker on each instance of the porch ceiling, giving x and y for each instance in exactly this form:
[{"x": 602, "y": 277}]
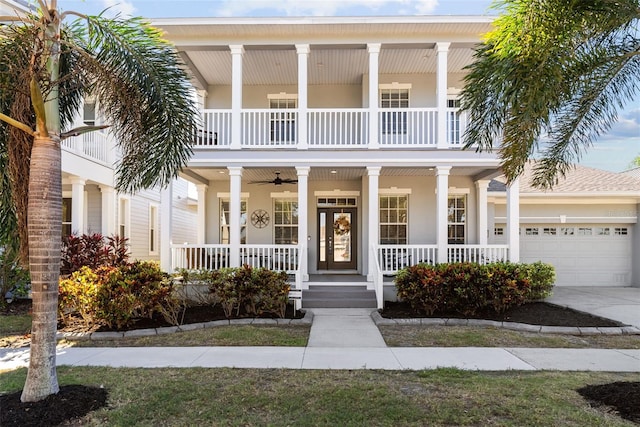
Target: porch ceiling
[
  {"x": 278, "y": 65},
  {"x": 325, "y": 174}
]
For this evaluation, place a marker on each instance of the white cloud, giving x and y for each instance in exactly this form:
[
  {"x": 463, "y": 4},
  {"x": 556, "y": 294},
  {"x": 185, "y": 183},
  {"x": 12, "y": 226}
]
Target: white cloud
[
  {"x": 627, "y": 126},
  {"x": 123, "y": 8},
  {"x": 323, "y": 7}
]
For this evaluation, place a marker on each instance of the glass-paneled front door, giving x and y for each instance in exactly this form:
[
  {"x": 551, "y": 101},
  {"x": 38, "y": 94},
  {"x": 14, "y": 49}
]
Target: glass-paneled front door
[{"x": 337, "y": 239}]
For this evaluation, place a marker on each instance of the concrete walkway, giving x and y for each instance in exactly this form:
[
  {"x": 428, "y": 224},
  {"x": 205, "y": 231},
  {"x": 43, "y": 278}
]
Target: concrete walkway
[{"x": 348, "y": 339}]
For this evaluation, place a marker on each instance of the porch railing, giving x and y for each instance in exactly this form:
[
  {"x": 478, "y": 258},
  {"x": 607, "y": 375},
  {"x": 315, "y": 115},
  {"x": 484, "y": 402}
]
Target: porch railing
[
  {"x": 214, "y": 257},
  {"x": 92, "y": 145},
  {"x": 412, "y": 127},
  {"x": 396, "y": 257},
  {"x": 199, "y": 257},
  {"x": 482, "y": 254},
  {"x": 338, "y": 127},
  {"x": 330, "y": 127}
]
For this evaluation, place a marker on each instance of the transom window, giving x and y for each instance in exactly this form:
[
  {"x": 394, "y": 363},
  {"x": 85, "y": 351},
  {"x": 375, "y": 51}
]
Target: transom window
[
  {"x": 457, "y": 219},
  {"x": 329, "y": 202},
  {"x": 224, "y": 222},
  {"x": 285, "y": 221},
  {"x": 394, "y": 219}
]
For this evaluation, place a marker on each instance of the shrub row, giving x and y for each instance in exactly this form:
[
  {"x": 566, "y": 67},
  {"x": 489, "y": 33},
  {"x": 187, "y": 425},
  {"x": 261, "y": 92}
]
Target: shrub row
[
  {"x": 470, "y": 288},
  {"x": 93, "y": 251},
  {"x": 245, "y": 291},
  {"x": 116, "y": 296}
]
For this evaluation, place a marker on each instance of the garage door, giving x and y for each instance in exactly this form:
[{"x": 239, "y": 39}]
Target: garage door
[{"x": 583, "y": 255}]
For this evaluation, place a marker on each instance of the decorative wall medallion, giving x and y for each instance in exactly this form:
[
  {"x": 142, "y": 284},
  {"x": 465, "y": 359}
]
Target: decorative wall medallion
[{"x": 260, "y": 218}]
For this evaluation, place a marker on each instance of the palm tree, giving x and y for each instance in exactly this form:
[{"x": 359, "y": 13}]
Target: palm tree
[
  {"x": 46, "y": 67},
  {"x": 549, "y": 79}
]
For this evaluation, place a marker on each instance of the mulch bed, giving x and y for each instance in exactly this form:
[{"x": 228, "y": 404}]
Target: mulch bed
[
  {"x": 73, "y": 401},
  {"x": 537, "y": 313},
  {"x": 622, "y": 398}
]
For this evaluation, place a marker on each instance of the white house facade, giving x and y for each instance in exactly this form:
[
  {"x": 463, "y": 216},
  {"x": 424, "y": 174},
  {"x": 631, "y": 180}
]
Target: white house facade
[{"x": 334, "y": 146}]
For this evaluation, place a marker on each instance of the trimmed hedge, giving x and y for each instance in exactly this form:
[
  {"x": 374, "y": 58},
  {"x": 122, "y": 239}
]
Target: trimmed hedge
[
  {"x": 245, "y": 291},
  {"x": 116, "y": 296},
  {"x": 470, "y": 288}
]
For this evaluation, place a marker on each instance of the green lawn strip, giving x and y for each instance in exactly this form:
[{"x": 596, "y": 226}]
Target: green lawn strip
[
  {"x": 232, "y": 335},
  {"x": 467, "y": 336},
  {"x": 329, "y": 398},
  {"x": 14, "y": 325}
]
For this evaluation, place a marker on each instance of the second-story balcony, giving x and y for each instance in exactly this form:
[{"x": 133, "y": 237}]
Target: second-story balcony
[{"x": 348, "y": 128}]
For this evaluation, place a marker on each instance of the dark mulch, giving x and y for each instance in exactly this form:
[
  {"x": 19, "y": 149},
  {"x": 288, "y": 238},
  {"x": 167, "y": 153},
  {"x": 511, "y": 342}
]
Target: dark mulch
[
  {"x": 73, "y": 401},
  {"x": 15, "y": 308},
  {"x": 537, "y": 313},
  {"x": 623, "y": 398}
]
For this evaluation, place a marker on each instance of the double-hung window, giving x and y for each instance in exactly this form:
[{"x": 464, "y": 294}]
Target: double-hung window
[
  {"x": 394, "y": 219},
  {"x": 282, "y": 123},
  {"x": 457, "y": 218},
  {"x": 454, "y": 129},
  {"x": 393, "y": 98},
  {"x": 66, "y": 217},
  {"x": 285, "y": 221}
]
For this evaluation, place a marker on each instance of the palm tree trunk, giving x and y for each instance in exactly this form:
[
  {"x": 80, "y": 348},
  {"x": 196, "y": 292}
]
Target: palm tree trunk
[{"x": 45, "y": 232}]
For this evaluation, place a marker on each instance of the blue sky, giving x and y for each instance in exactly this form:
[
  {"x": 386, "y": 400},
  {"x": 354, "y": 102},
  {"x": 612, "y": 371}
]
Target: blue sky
[{"x": 613, "y": 151}]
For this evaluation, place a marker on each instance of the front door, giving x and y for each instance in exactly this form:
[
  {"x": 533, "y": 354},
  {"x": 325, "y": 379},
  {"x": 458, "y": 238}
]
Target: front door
[{"x": 337, "y": 239}]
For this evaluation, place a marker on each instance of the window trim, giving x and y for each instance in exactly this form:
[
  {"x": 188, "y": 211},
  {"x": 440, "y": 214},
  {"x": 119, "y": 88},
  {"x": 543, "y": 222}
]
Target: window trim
[
  {"x": 245, "y": 225},
  {"x": 464, "y": 194},
  {"x": 387, "y": 193},
  {"x": 124, "y": 216}
]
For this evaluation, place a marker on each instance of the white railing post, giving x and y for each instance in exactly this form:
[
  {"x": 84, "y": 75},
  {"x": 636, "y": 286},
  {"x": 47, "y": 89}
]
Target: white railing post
[
  {"x": 442, "y": 187},
  {"x": 236, "y": 96},
  {"x": 441, "y": 93},
  {"x": 374, "y": 54}
]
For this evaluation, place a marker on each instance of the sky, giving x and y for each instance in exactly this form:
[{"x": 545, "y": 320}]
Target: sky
[{"x": 613, "y": 151}]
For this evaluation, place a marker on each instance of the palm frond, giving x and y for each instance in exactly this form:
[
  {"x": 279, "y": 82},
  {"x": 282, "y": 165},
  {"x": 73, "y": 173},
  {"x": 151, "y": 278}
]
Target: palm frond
[{"x": 145, "y": 96}]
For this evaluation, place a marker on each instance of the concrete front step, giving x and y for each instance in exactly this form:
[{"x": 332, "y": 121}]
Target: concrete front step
[{"x": 318, "y": 296}]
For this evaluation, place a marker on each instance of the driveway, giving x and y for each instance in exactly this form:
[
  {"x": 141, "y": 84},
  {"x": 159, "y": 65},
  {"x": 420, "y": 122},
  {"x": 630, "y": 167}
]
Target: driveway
[{"x": 621, "y": 304}]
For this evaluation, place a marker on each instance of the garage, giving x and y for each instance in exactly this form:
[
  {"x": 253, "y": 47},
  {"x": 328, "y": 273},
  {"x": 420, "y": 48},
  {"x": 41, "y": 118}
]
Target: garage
[{"x": 583, "y": 254}]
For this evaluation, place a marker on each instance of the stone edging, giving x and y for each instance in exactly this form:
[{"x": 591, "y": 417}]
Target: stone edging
[
  {"x": 523, "y": 327},
  {"x": 136, "y": 333}
]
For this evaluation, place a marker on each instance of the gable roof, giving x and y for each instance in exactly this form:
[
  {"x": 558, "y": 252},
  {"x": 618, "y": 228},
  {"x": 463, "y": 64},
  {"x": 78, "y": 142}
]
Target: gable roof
[
  {"x": 579, "y": 181},
  {"x": 634, "y": 173}
]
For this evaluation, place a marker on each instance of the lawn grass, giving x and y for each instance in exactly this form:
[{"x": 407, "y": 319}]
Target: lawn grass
[
  {"x": 336, "y": 398},
  {"x": 232, "y": 335},
  {"x": 14, "y": 325},
  {"x": 468, "y": 336}
]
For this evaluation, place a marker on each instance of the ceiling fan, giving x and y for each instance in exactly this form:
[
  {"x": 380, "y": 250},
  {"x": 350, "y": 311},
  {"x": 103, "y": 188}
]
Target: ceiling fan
[{"x": 276, "y": 181}]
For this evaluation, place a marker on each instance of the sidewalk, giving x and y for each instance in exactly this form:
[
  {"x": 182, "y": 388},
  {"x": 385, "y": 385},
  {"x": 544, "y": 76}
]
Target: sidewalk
[{"x": 343, "y": 339}]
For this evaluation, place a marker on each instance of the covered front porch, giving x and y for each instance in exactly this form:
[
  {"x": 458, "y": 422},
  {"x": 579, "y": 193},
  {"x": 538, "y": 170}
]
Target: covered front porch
[{"x": 369, "y": 221}]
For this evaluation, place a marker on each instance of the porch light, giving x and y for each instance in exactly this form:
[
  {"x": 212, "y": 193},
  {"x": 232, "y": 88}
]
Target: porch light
[{"x": 333, "y": 171}]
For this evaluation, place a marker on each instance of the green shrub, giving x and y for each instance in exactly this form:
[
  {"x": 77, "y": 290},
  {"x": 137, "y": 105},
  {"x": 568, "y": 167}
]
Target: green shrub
[
  {"x": 116, "y": 296},
  {"x": 77, "y": 296},
  {"x": 542, "y": 277},
  {"x": 470, "y": 288},
  {"x": 247, "y": 291}
]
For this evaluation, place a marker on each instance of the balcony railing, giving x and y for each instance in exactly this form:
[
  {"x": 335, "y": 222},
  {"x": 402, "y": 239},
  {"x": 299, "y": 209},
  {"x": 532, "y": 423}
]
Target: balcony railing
[
  {"x": 95, "y": 146},
  {"x": 330, "y": 128}
]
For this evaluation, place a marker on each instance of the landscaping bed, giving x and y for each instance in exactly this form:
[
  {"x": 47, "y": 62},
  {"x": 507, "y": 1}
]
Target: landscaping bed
[{"x": 535, "y": 313}]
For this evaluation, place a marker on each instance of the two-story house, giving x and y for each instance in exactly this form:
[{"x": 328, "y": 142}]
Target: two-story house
[{"x": 333, "y": 145}]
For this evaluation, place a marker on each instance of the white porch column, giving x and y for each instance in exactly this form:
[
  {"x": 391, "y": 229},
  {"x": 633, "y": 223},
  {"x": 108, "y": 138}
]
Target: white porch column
[
  {"x": 77, "y": 205},
  {"x": 441, "y": 93},
  {"x": 166, "y": 228},
  {"x": 482, "y": 211},
  {"x": 202, "y": 213},
  {"x": 373, "y": 230},
  {"x": 374, "y": 54},
  {"x": 442, "y": 189},
  {"x": 108, "y": 210},
  {"x": 235, "y": 185},
  {"x": 303, "y": 219},
  {"x": 236, "y": 95},
  {"x": 303, "y": 55},
  {"x": 513, "y": 220}
]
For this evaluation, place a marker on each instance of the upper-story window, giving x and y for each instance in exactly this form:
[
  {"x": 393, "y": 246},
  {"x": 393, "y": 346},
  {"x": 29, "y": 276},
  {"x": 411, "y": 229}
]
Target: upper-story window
[
  {"x": 282, "y": 124},
  {"x": 453, "y": 119},
  {"x": 89, "y": 112},
  {"x": 394, "y": 97}
]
